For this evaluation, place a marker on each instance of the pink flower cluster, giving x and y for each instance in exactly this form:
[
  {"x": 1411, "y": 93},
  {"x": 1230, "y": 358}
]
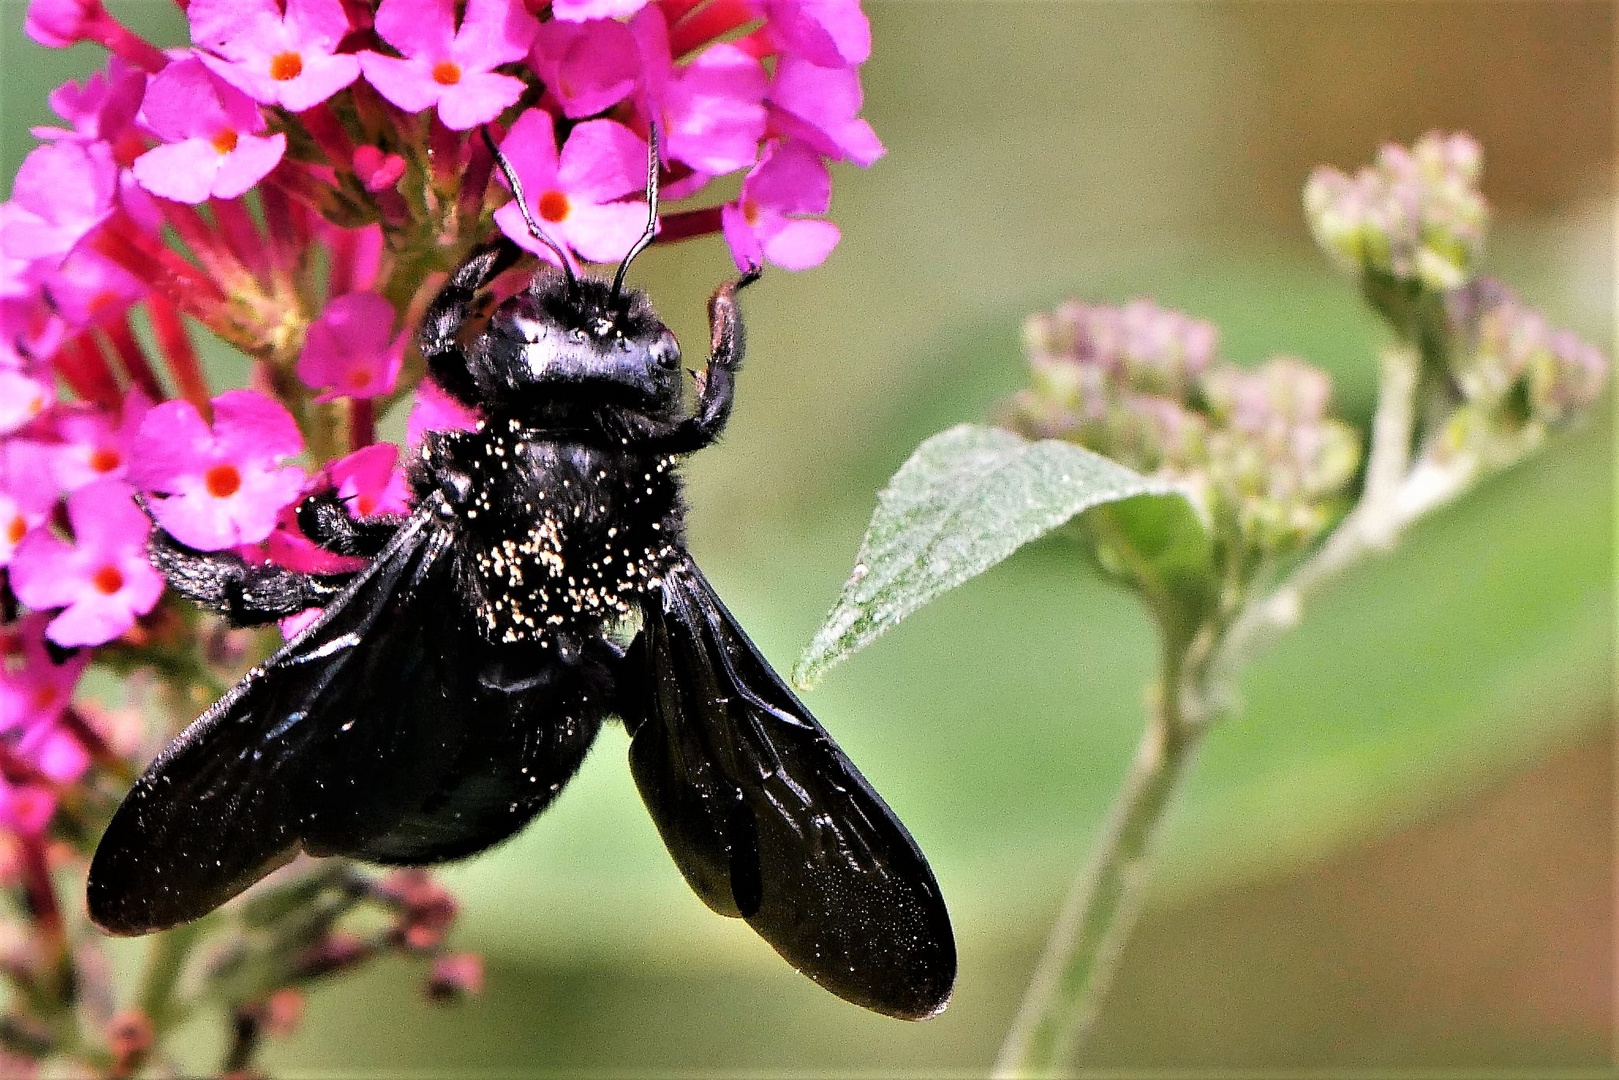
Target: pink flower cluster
[{"x": 354, "y": 127}]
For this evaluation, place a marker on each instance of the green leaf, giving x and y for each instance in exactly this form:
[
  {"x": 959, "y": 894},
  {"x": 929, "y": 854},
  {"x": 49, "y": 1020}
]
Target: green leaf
[{"x": 967, "y": 499}]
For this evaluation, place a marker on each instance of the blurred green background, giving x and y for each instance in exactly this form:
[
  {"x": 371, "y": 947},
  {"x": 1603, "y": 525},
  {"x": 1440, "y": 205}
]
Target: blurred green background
[{"x": 1399, "y": 856}]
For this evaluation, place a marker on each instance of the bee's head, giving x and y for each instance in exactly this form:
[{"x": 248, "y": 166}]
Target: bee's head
[
  {"x": 564, "y": 343},
  {"x": 571, "y": 346}
]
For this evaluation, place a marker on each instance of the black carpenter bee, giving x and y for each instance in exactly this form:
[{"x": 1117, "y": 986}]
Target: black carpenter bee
[{"x": 540, "y": 586}]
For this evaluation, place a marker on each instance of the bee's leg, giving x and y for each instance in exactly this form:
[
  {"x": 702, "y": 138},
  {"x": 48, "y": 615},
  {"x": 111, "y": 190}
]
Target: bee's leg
[
  {"x": 245, "y": 594},
  {"x": 455, "y": 304},
  {"x": 717, "y": 383},
  {"x": 324, "y": 518}
]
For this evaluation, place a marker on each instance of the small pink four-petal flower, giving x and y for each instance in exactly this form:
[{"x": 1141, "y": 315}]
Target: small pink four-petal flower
[
  {"x": 278, "y": 58},
  {"x": 103, "y": 580},
  {"x": 351, "y": 349},
  {"x": 223, "y": 486},
  {"x": 449, "y": 67},
  {"x": 572, "y": 196},
  {"x": 208, "y": 127}
]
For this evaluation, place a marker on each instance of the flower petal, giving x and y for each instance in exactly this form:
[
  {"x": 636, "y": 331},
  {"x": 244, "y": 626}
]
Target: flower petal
[
  {"x": 478, "y": 98},
  {"x": 407, "y": 83},
  {"x": 249, "y": 163}
]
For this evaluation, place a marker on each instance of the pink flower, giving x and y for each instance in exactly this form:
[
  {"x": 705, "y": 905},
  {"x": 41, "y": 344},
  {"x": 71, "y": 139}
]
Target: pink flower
[
  {"x": 288, "y": 59},
  {"x": 103, "y": 579},
  {"x": 88, "y": 288},
  {"x": 62, "y": 192},
  {"x": 580, "y": 10},
  {"x": 589, "y": 66},
  {"x": 822, "y": 106},
  {"x": 94, "y": 448},
  {"x": 790, "y": 179},
  {"x": 711, "y": 111},
  {"x": 370, "y": 482},
  {"x": 35, "y": 690},
  {"x": 23, "y": 398},
  {"x": 351, "y": 349},
  {"x": 435, "y": 410},
  {"x": 102, "y": 108},
  {"x": 447, "y": 67},
  {"x": 27, "y": 493},
  {"x": 571, "y": 196},
  {"x": 225, "y": 486},
  {"x": 207, "y": 127},
  {"x": 827, "y": 33}
]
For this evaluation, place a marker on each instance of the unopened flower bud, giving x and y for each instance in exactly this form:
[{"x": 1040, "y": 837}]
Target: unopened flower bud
[
  {"x": 57, "y": 24},
  {"x": 1565, "y": 378},
  {"x": 1416, "y": 216},
  {"x": 1498, "y": 347}
]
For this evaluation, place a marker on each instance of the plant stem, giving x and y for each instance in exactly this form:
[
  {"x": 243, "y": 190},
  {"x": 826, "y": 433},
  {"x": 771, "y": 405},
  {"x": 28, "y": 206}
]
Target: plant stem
[{"x": 1083, "y": 952}]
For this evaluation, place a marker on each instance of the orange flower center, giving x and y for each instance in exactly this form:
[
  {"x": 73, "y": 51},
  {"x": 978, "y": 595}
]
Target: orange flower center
[
  {"x": 223, "y": 481},
  {"x": 365, "y": 504},
  {"x": 225, "y": 140},
  {"x": 16, "y": 530},
  {"x": 446, "y": 73},
  {"x": 287, "y": 65},
  {"x": 104, "y": 460},
  {"x": 750, "y": 212},
  {"x": 553, "y": 206},
  {"x": 44, "y": 697},
  {"x": 359, "y": 379},
  {"x": 108, "y": 580}
]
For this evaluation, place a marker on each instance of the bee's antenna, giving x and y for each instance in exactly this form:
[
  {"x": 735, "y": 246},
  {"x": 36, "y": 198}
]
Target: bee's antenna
[
  {"x": 534, "y": 229},
  {"x": 652, "y": 165}
]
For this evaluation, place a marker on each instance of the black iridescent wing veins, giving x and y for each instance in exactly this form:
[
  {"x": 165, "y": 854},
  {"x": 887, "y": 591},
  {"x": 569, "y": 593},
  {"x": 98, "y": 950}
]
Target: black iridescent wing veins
[
  {"x": 323, "y": 747},
  {"x": 769, "y": 821}
]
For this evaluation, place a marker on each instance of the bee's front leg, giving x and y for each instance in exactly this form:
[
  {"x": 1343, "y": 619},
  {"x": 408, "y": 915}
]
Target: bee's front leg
[
  {"x": 717, "y": 383},
  {"x": 244, "y": 593}
]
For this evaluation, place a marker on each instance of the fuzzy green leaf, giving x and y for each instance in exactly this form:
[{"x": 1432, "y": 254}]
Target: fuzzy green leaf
[{"x": 966, "y": 499}]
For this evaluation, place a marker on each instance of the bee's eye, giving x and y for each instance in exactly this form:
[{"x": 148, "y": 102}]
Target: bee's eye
[{"x": 666, "y": 351}]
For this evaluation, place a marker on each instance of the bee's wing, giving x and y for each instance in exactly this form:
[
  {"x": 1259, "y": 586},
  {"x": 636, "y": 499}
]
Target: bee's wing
[
  {"x": 768, "y": 820},
  {"x": 321, "y": 747}
]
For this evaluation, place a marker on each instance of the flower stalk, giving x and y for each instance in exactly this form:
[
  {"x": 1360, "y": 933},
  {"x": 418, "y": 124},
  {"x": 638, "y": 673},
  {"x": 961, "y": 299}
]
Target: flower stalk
[{"x": 1472, "y": 382}]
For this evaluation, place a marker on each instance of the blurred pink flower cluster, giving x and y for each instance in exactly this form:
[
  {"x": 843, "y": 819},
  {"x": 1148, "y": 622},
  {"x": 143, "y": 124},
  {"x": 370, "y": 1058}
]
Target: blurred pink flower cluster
[{"x": 294, "y": 181}]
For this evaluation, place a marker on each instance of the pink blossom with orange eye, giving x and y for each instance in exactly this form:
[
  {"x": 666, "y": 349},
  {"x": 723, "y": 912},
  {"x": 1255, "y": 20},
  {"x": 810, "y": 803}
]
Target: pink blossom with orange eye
[
  {"x": 370, "y": 482},
  {"x": 771, "y": 219},
  {"x": 211, "y": 146},
  {"x": 574, "y": 196},
  {"x": 93, "y": 446},
  {"x": 447, "y": 66},
  {"x": 287, "y": 58},
  {"x": 102, "y": 580},
  {"x": 24, "y": 397},
  {"x": 351, "y": 350},
  {"x": 223, "y": 486},
  {"x": 27, "y": 492}
]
